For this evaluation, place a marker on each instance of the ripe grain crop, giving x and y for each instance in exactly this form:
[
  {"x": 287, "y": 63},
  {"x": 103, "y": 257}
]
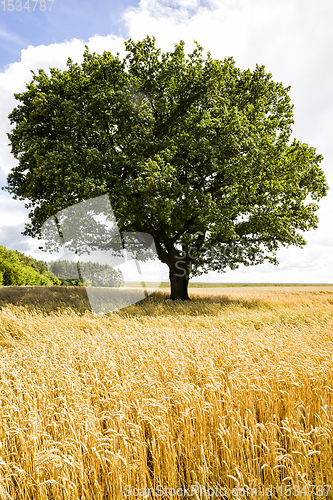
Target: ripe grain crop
[{"x": 233, "y": 389}]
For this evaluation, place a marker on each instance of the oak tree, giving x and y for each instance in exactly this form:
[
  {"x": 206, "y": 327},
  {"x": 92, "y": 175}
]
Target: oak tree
[{"x": 193, "y": 151}]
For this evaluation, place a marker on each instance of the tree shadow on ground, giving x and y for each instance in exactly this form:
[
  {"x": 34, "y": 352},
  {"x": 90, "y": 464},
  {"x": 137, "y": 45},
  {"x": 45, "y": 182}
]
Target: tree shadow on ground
[
  {"x": 50, "y": 300},
  {"x": 160, "y": 304},
  {"x": 46, "y": 299}
]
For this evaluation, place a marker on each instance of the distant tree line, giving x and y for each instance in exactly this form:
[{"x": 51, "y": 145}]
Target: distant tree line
[
  {"x": 18, "y": 269},
  {"x": 89, "y": 273}
]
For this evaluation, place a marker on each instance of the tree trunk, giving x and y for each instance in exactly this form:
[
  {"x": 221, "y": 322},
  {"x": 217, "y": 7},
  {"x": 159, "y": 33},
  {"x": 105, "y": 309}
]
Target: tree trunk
[
  {"x": 179, "y": 264},
  {"x": 179, "y": 285},
  {"x": 79, "y": 272}
]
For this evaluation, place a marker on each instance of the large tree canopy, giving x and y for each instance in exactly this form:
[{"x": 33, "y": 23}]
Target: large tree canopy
[{"x": 193, "y": 151}]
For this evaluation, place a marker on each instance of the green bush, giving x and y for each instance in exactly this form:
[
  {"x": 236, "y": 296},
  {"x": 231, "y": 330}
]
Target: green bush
[
  {"x": 1, "y": 279},
  {"x": 13, "y": 274},
  {"x": 46, "y": 280},
  {"x": 9, "y": 255},
  {"x": 51, "y": 279},
  {"x": 30, "y": 276},
  {"x": 39, "y": 266}
]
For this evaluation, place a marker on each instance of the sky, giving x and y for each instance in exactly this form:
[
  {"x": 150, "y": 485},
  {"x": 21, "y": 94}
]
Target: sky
[{"x": 292, "y": 38}]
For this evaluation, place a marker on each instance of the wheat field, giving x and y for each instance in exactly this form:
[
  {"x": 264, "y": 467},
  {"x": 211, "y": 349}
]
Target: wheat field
[{"x": 229, "y": 395}]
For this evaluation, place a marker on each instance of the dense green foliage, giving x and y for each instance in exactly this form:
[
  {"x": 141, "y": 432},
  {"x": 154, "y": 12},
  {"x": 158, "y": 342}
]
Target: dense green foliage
[
  {"x": 17, "y": 269},
  {"x": 195, "y": 152}
]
